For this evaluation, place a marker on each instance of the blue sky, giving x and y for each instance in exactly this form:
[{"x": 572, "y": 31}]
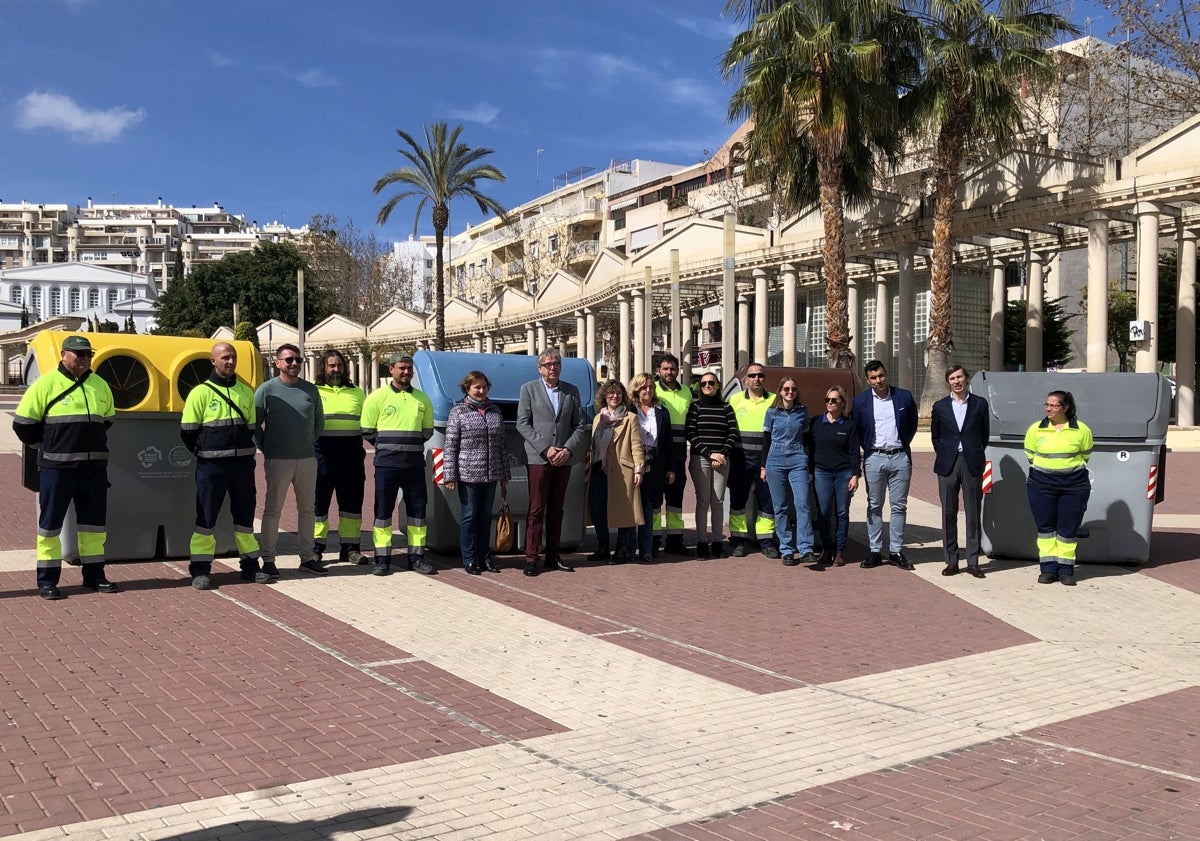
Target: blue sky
[{"x": 282, "y": 109}]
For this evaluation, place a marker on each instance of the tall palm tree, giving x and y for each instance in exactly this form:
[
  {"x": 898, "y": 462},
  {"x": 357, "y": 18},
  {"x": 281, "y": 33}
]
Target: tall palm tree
[
  {"x": 820, "y": 80},
  {"x": 441, "y": 170},
  {"x": 977, "y": 58}
]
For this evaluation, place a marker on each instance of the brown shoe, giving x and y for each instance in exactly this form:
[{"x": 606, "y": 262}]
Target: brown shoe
[
  {"x": 951, "y": 569},
  {"x": 975, "y": 572}
]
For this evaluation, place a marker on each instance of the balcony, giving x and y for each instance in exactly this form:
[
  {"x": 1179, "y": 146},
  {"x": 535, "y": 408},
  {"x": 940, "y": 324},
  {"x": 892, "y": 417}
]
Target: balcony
[
  {"x": 585, "y": 250},
  {"x": 515, "y": 268}
]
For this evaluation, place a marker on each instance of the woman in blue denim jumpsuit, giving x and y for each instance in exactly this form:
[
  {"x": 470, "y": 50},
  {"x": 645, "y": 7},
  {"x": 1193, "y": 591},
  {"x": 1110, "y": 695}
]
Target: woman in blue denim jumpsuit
[{"x": 785, "y": 467}]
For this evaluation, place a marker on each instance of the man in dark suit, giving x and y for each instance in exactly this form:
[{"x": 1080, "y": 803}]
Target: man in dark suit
[
  {"x": 959, "y": 429},
  {"x": 550, "y": 418},
  {"x": 886, "y": 418}
]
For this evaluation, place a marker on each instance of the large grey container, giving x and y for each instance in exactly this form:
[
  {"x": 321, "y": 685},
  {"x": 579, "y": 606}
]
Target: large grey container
[
  {"x": 1128, "y": 415},
  {"x": 438, "y": 374}
]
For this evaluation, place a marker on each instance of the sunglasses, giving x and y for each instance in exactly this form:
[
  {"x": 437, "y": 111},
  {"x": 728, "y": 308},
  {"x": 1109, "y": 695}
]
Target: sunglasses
[
  {"x": 290, "y": 360},
  {"x": 833, "y": 400},
  {"x": 788, "y": 390},
  {"x": 708, "y": 384},
  {"x": 85, "y": 354},
  {"x": 755, "y": 376}
]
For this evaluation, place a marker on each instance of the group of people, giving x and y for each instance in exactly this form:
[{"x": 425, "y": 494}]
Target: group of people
[{"x": 644, "y": 444}]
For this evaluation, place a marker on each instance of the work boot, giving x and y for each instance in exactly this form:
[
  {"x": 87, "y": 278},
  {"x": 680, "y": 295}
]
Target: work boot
[
  {"x": 421, "y": 565},
  {"x": 718, "y": 549},
  {"x": 770, "y": 550},
  {"x": 674, "y": 545},
  {"x": 702, "y": 550},
  {"x": 351, "y": 555},
  {"x": 270, "y": 570},
  {"x": 737, "y": 549},
  {"x": 382, "y": 569}
]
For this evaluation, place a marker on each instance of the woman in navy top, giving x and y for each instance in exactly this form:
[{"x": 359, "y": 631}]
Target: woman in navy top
[
  {"x": 837, "y": 464},
  {"x": 785, "y": 467}
]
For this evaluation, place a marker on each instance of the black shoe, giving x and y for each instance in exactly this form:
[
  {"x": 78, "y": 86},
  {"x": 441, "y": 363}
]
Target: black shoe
[
  {"x": 563, "y": 566},
  {"x": 645, "y": 559},
  {"x": 101, "y": 586},
  {"x": 1047, "y": 578},
  {"x": 50, "y": 593},
  {"x": 738, "y": 550},
  {"x": 873, "y": 560},
  {"x": 674, "y": 545},
  {"x": 975, "y": 572},
  {"x": 791, "y": 560},
  {"x": 657, "y": 543},
  {"x": 1066, "y": 578},
  {"x": 897, "y": 559},
  {"x": 717, "y": 549},
  {"x": 313, "y": 568},
  {"x": 423, "y": 566},
  {"x": 382, "y": 569},
  {"x": 270, "y": 571},
  {"x": 809, "y": 558},
  {"x": 770, "y": 550},
  {"x": 203, "y": 582},
  {"x": 951, "y": 569},
  {"x": 490, "y": 567},
  {"x": 621, "y": 556},
  {"x": 473, "y": 569},
  {"x": 601, "y": 554},
  {"x": 531, "y": 569},
  {"x": 702, "y": 550}
]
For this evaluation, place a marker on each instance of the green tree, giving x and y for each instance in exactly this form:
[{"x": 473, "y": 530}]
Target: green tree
[
  {"x": 244, "y": 331},
  {"x": 130, "y": 325},
  {"x": 1056, "y": 335},
  {"x": 438, "y": 172},
  {"x": 976, "y": 56},
  {"x": 262, "y": 282},
  {"x": 1122, "y": 309},
  {"x": 820, "y": 80}
]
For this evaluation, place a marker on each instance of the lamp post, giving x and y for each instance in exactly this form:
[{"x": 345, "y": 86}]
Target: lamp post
[{"x": 537, "y": 172}]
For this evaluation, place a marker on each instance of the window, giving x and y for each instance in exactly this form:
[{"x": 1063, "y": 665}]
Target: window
[
  {"x": 93, "y": 299},
  {"x": 36, "y": 302},
  {"x": 55, "y": 302},
  {"x": 15, "y": 295},
  {"x": 75, "y": 297},
  {"x": 10, "y": 242},
  {"x": 552, "y": 244},
  {"x": 112, "y": 299},
  {"x": 535, "y": 248}
]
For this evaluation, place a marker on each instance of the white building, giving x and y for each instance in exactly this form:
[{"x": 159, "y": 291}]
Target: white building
[
  {"x": 411, "y": 263},
  {"x": 41, "y": 292}
]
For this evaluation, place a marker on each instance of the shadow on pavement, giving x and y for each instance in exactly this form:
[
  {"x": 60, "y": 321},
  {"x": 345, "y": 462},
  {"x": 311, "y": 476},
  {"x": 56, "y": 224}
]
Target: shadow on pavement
[{"x": 337, "y": 825}]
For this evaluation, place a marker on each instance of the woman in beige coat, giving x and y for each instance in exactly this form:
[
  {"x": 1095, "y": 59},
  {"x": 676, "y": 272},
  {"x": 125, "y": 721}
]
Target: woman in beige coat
[{"x": 616, "y": 474}]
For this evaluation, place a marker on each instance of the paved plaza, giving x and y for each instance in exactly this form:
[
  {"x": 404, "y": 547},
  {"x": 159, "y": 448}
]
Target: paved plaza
[{"x": 689, "y": 699}]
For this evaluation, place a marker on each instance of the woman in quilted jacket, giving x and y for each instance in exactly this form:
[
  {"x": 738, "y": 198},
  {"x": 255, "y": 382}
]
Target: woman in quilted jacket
[{"x": 474, "y": 459}]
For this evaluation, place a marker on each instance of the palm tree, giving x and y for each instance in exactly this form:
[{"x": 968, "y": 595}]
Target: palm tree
[
  {"x": 820, "y": 80},
  {"x": 978, "y": 57},
  {"x": 441, "y": 170}
]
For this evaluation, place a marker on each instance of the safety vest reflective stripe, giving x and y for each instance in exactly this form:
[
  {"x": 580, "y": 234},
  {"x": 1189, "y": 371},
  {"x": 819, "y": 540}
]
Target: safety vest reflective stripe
[
  {"x": 67, "y": 458},
  {"x": 676, "y": 401},
  {"x": 751, "y": 415},
  {"x": 343, "y": 406},
  {"x": 249, "y": 451}
]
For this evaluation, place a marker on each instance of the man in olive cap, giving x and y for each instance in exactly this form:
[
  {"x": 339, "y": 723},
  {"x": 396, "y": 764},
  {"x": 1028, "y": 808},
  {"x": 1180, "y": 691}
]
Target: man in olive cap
[{"x": 66, "y": 413}]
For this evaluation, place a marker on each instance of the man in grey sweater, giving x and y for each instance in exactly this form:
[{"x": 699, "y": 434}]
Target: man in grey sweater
[{"x": 289, "y": 419}]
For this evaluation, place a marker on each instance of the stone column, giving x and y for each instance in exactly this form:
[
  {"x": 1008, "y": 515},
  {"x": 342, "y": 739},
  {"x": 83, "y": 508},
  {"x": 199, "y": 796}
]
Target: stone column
[
  {"x": 1097, "y": 293},
  {"x": 531, "y": 347},
  {"x": 788, "y": 279},
  {"x": 623, "y": 349},
  {"x": 580, "y": 335},
  {"x": 561, "y": 344},
  {"x": 883, "y": 319},
  {"x": 1146, "y": 356},
  {"x": 999, "y": 297},
  {"x": 674, "y": 340},
  {"x": 1034, "y": 298},
  {"x": 743, "y": 334},
  {"x": 3, "y": 365},
  {"x": 489, "y": 342},
  {"x": 904, "y": 362},
  {"x": 639, "y": 334},
  {"x": 760, "y": 316},
  {"x": 589, "y": 318},
  {"x": 1185, "y": 331},
  {"x": 477, "y": 342},
  {"x": 541, "y": 337},
  {"x": 729, "y": 300}
]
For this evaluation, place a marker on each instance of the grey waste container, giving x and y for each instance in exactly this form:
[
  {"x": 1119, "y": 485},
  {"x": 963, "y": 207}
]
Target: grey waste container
[
  {"x": 1128, "y": 415},
  {"x": 438, "y": 374}
]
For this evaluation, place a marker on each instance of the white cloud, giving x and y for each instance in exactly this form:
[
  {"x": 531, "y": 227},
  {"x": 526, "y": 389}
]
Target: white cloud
[
  {"x": 314, "y": 78},
  {"x": 483, "y": 113},
  {"x": 54, "y": 111},
  {"x": 718, "y": 30},
  {"x": 217, "y": 59}
]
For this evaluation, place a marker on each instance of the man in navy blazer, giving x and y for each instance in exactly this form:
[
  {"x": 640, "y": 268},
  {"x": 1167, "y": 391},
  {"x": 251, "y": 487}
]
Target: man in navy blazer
[
  {"x": 959, "y": 429},
  {"x": 886, "y": 418},
  {"x": 550, "y": 418}
]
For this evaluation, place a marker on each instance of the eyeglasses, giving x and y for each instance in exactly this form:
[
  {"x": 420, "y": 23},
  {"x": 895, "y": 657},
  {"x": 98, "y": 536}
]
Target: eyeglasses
[
  {"x": 1054, "y": 405},
  {"x": 758, "y": 376},
  {"x": 788, "y": 390},
  {"x": 550, "y": 365},
  {"x": 833, "y": 400},
  {"x": 708, "y": 383},
  {"x": 290, "y": 360},
  {"x": 85, "y": 354}
]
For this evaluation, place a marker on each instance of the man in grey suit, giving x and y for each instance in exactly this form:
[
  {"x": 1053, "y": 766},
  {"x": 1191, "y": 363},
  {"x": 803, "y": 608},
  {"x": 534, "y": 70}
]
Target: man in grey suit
[
  {"x": 550, "y": 418},
  {"x": 959, "y": 429}
]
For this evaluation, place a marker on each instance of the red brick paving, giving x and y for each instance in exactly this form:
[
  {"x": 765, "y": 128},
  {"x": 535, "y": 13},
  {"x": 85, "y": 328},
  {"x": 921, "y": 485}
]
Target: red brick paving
[
  {"x": 115, "y": 704},
  {"x": 1012, "y": 789},
  {"x": 809, "y": 626}
]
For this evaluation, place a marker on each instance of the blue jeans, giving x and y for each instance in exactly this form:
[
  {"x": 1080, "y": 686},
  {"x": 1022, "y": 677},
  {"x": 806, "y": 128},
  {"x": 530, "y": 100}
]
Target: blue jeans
[
  {"x": 475, "y": 524},
  {"x": 890, "y": 474},
  {"x": 833, "y": 500},
  {"x": 791, "y": 474}
]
